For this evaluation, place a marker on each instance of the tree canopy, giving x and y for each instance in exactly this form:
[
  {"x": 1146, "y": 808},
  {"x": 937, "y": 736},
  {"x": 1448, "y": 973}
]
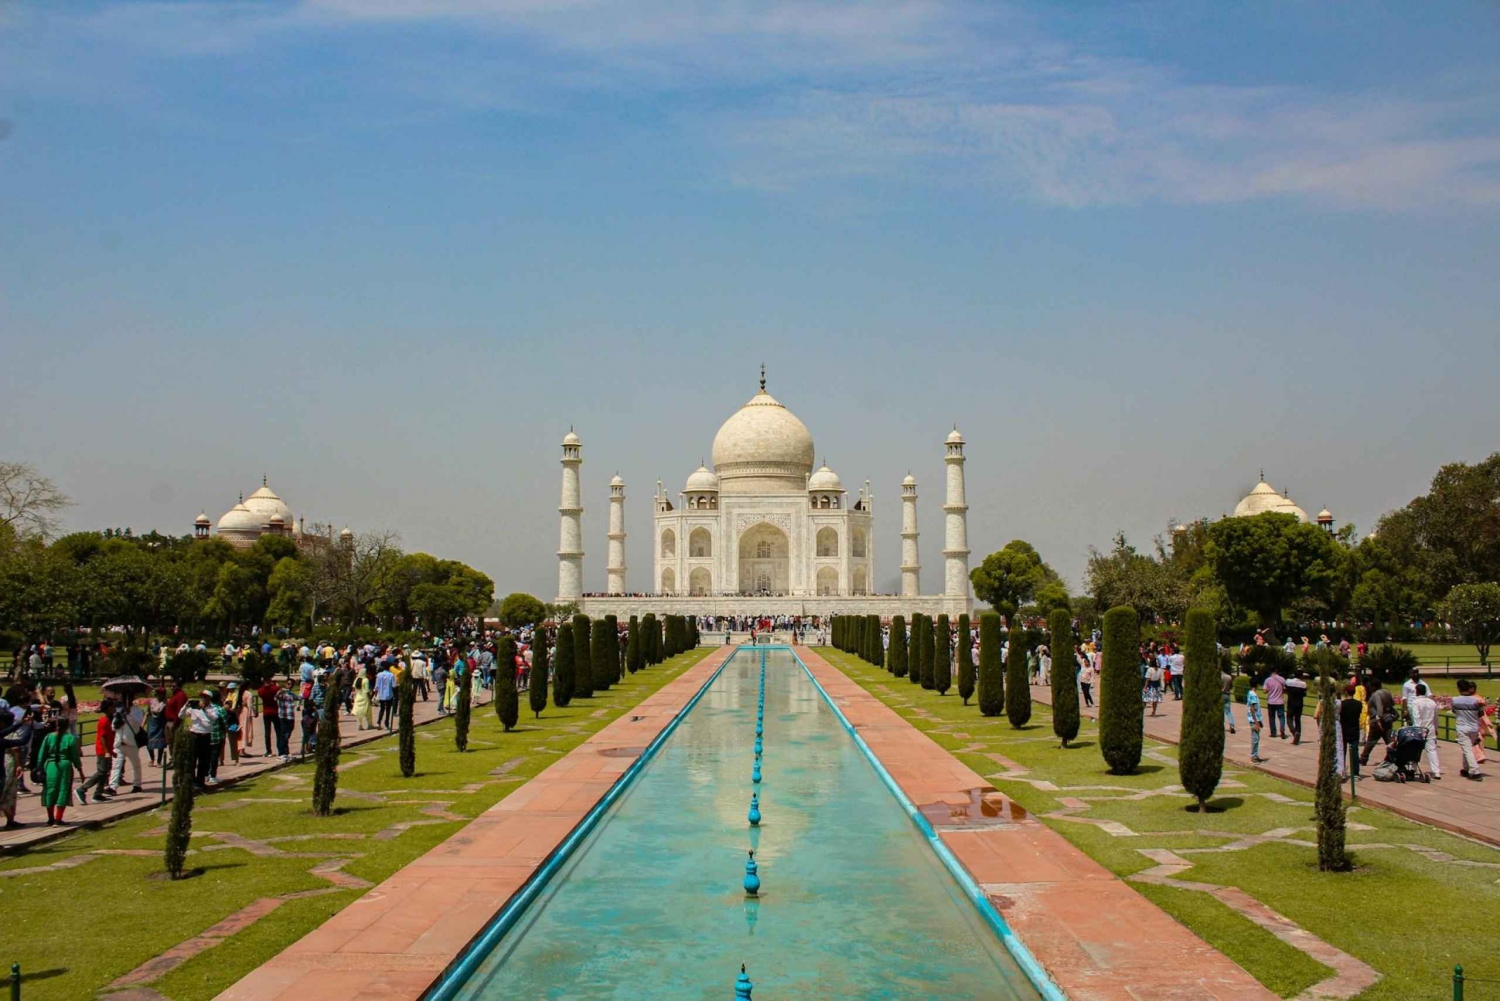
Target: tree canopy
[
  {"x": 1016, "y": 576},
  {"x": 1268, "y": 561}
]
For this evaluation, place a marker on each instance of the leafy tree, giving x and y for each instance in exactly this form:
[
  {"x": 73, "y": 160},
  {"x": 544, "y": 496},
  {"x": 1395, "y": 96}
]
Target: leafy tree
[
  {"x": 991, "y": 673},
  {"x": 1120, "y": 715},
  {"x": 942, "y": 658},
  {"x": 326, "y": 770},
  {"x": 895, "y": 660},
  {"x": 1064, "y": 677},
  {"x": 562, "y": 690},
  {"x": 965, "y": 657},
  {"x": 1268, "y": 561},
  {"x": 180, "y": 826},
  {"x": 406, "y": 726},
  {"x": 462, "y": 709},
  {"x": 1010, "y": 578},
  {"x": 536, "y": 689},
  {"x": 1200, "y": 758},
  {"x": 1456, "y": 525},
  {"x": 583, "y": 658},
  {"x": 507, "y": 701},
  {"x": 1017, "y": 681},
  {"x": 519, "y": 609},
  {"x": 1329, "y": 797},
  {"x": 290, "y": 589},
  {"x": 1473, "y": 611},
  {"x": 438, "y": 606},
  {"x": 633, "y": 645},
  {"x": 1126, "y": 577}
]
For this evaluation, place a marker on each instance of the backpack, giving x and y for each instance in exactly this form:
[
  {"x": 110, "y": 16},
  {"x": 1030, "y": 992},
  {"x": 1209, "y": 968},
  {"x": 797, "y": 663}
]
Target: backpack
[{"x": 1386, "y": 771}]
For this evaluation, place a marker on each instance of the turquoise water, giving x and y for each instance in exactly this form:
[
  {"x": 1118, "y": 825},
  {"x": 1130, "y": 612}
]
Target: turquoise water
[{"x": 853, "y": 902}]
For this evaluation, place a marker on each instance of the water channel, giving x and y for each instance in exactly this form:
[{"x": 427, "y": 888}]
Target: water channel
[{"x": 854, "y": 902}]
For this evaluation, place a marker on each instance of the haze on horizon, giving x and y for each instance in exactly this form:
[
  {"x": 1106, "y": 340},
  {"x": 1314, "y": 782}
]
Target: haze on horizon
[{"x": 386, "y": 252}]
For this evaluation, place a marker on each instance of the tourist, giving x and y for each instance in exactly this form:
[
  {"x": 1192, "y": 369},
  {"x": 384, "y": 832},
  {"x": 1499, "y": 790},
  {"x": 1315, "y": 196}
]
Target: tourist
[
  {"x": 130, "y": 733},
  {"x": 218, "y": 731},
  {"x": 1176, "y": 665},
  {"x": 1226, "y": 687},
  {"x": 1276, "y": 701},
  {"x": 156, "y": 728},
  {"x": 1253, "y": 721},
  {"x": 1152, "y": 692},
  {"x": 234, "y": 713},
  {"x": 104, "y": 755},
  {"x": 385, "y": 692},
  {"x": 440, "y": 682},
  {"x": 305, "y": 673},
  {"x": 1424, "y": 710},
  {"x": 1409, "y": 686},
  {"x": 1468, "y": 708},
  {"x": 175, "y": 706},
  {"x": 286, "y": 718},
  {"x": 421, "y": 673},
  {"x": 16, "y": 726},
  {"x": 1296, "y": 698},
  {"x": 200, "y": 725},
  {"x": 1350, "y": 710},
  {"x": 1382, "y": 715},
  {"x": 60, "y": 760},
  {"x": 362, "y": 704},
  {"x": 1085, "y": 676},
  {"x": 269, "y": 693}
]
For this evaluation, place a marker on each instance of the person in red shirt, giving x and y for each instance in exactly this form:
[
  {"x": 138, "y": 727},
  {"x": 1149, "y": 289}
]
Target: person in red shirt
[
  {"x": 175, "y": 705},
  {"x": 104, "y": 755},
  {"x": 268, "y": 692}
]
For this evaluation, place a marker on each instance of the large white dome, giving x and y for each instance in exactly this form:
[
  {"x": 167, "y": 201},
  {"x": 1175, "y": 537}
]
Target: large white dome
[
  {"x": 240, "y": 519},
  {"x": 265, "y": 505},
  {"x": 1264, "y": 498},
  {"x": 762, "y": 443}
]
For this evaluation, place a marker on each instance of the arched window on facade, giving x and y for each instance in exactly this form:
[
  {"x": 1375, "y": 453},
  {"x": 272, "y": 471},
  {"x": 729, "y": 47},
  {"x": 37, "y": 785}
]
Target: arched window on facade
[
  {"x": 763, "y": 550},
  {"x": 860, "y": 586},
  {"x": 668, "y": 544},
  {"x": 669, "y": 581},
  {"x": 700, "y": 543},
  {"x": 857, "y": 543},
  {"x": 828, "y": 542},
  {"x": 700, "y": 581},
  {"x": 828, "y": 581}
]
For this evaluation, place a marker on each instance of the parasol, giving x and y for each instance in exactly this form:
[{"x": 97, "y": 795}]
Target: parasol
[{"x": 127, "y": 686}]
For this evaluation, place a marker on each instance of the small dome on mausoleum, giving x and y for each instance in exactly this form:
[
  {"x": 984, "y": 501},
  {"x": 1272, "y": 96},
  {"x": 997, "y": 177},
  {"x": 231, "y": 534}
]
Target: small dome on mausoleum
[
  {"x": 701, "y": 479},
  {"x": 825, "y": 479}
]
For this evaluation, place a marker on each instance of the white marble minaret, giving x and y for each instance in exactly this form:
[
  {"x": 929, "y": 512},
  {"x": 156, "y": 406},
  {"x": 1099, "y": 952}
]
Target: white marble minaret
[
  {"x": 911, "y": 567},
  {"x": 570, "y": 546},
  {"x": 956, "y": 515},
  {"x": 614, "y": 570}
]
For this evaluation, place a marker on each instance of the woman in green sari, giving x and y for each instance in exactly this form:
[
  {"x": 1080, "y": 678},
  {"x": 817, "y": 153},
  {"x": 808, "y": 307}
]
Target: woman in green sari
[{"x": 60, "y": 758}]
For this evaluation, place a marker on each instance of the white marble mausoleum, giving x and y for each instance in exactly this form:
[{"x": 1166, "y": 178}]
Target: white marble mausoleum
[{"x": 763, "y": 532}]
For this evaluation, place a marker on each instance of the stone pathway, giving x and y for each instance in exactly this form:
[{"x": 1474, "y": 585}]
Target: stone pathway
[
  {"x": 1454, "y": 804},
  {"x": 36, "y": 831}
]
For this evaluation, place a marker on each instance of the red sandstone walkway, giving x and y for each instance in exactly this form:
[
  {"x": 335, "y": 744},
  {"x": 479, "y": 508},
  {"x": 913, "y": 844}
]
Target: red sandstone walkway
[
  {"x": 1098, "y": 938},
  {"x": 1455, "y": 804},
  {"x": 395, "y": 941}
]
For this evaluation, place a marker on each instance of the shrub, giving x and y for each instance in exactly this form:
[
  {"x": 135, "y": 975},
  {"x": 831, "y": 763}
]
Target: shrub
[
  {"x": 462, "y": 708},
  {"x": 599, "y": 649},
  {"x": 1259, "y": 660},
  {"x": 406, "y": 727},
  {"x": 1017, "y": 680},
  {"x": 507, "y": 703},
  {"x": 326, "y": 754},
  {"x": 1064, "y": 676},
  {"x": 1120, "y": 708},
  {"x": 562, "y": 688},
  {"x": 190, "y": 666},
  {"x": 1329, "y": 798},
  {"x": 536, "y": 689},
  {"x": 1200, "y": 757},
  {"x": 991, "y": 674},
  {"x": 1388, "y": 662},
  {"x": 180, "y": 827},
  {"x": 895, "y": 661},
  {"x": 942, "y": 658},
  {"x": 1240, "y": 688},
  {"x": 965, "y": 657},
  {"x": 583, "y": 659}
]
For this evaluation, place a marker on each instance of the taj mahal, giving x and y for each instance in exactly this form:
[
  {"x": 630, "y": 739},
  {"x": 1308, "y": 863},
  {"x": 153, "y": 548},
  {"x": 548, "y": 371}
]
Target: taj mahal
[{"x": 763, "y": 532}]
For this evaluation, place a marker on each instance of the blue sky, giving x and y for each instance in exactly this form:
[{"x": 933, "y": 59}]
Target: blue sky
[{"x": 388, "y": 250}]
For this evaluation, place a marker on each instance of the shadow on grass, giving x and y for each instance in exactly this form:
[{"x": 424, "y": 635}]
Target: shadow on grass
[
  {"x": 1078, "y": 744},
  {"x": 56, "y": 971}
]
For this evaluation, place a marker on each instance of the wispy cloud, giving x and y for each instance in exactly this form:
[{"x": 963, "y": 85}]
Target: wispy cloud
[{"x": 800, "y": 93}]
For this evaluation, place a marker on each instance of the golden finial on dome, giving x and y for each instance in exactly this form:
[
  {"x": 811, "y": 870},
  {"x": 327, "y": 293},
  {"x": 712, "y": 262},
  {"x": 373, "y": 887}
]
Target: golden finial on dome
[{"x": 762, "y": 377}]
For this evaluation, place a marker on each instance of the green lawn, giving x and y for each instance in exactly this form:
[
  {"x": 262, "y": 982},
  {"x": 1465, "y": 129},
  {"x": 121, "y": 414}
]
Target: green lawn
[
  {"x": 75, "y": 930},
  {"x": 1399, "y": 911}
]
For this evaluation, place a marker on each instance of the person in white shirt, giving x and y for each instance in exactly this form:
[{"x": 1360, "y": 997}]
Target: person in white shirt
[
  {"x": 1409, "y": 686},
  {"x": 128, "y": 723},
  {"x": 1424, "y": 714}
]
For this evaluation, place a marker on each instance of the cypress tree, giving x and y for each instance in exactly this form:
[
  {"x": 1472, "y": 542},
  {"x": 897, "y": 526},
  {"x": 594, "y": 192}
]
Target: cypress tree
[
  {"x": 856, "y": 636},
  {"x": 562, "y": 689},
  {"x": 406, "y": 726},
  {"x": 536, "y": 691},
  {"x": 896, "y": 661},
  {"x": 326, "y": 770},
  {"x": 1065, "y": 676},
  {"x": 599, "y": 649},
  {"x": 648, "y": 633},
  {"x": 929, "y": 653},
  {"x": 461, "y": 710},
  {"x": 180, "y": 827},
  {"x": 1329, "y": 798},
  {"x": 836, "y": 632},
  {"x": 991, "y": 674},
  {"x": 1017, "y": 684},
  {"x": 583, "y": 659},
  {"x": 877, "y": 642},
  {"x": 633, "y": 646},
  {"x": 507, "y": 700},
  {"x": 914, "y": 650},
  {"x": 1120, "y": 720},
  {"x": 965, "y": 658},
  {"x": 1200, "y": 753},
  {"x": 616, "y": 675},
  {"x": 942, "y": 663}
]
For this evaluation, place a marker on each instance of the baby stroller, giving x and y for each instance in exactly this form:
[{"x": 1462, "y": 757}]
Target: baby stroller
[{"x": 1405, "y": 752}]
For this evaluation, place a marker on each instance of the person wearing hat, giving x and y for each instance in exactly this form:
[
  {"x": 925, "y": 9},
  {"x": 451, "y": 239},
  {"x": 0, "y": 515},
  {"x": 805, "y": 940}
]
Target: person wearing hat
[
  {"x": 200, "y": 721},
  {"x": 420, "y": 672}
]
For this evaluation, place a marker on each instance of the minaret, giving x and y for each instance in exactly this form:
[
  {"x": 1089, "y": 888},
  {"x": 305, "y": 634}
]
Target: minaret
[
  {"x": 614, "y": 571},
  {"x": 911, "y": 567},
  {"x": 955, "y": 511},
  {"x": 570, "y": 547}
]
